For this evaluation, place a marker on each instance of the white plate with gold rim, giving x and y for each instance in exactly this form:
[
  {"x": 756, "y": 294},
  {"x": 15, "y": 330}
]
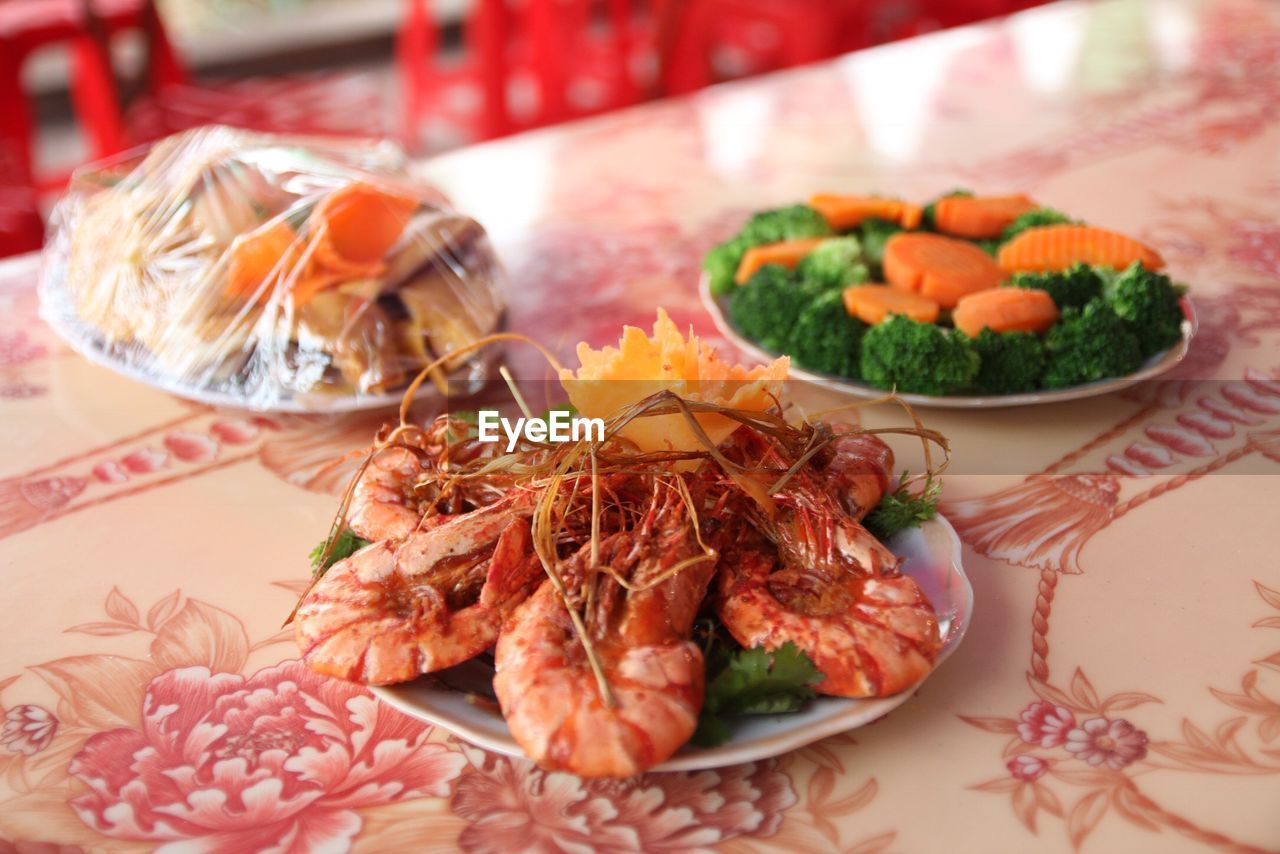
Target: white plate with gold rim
[{"x": 931, "y": 555}]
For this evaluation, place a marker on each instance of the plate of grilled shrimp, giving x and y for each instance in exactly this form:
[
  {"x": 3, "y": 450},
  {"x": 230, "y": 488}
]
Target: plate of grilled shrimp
[{"x": 716, "y": 580}]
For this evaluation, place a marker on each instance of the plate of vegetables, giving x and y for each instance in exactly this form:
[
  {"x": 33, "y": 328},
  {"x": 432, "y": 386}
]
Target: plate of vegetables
[{"x": 965, "y": 302}]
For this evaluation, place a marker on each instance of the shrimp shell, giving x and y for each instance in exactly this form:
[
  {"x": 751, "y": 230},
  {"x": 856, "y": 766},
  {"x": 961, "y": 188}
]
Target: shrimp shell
[
  {"x": 401, "y": 483},
  {"x": 877, "y": 635},
  {"x": 553, "y": 705},
  {"x": 550, "y": 696},
  {"x": 380, "y": 503},
  {"x": 858, "y": 471},
  {"x": 386, "y": 613}
]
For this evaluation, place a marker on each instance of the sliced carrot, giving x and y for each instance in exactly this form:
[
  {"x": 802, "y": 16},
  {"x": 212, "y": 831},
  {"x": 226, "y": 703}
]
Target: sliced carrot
[
  {"x": 787, "y": 253},
  {"x": 1005, "y": 310},
  {"x": 941, "y": 268},
  {"x": 912, "y": 215},
  {"x": 1057, "y": 247},
  {"x": 355, "y": 225},
  {"x": 254, "y": 256},
  {"x": 979, "y": 217},
  {"x": 847, "y": 211},
  {"x": 873, "y": 303}
]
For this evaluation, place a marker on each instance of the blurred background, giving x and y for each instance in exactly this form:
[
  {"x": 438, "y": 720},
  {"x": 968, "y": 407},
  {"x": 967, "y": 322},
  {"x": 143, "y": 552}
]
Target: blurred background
[{"x": 82, "y": 80}]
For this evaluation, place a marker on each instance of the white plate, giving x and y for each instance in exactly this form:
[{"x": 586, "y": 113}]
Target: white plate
[
  {"x": 932, "y": 557},
  {"x": 1151, "y": 368}
]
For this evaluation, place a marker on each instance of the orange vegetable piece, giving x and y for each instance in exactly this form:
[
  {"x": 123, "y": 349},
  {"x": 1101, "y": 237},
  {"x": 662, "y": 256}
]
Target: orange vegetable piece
[
  {"x": 355, "y": 225},
  {"x": 941, "y": 268},
  {"x": 847, "y": 211},
  {"x": 979, "y": 216},
  {"x": 311, "y": 281},
  {"x": 1057, "y": 247},
  {"x": 1005, "y": 310},
  {"x": 254, "y": 256},
  {"x": 873, "y": 303},
  {"x": 787, "y": 253},
  {"x": 912, "y": 215}
]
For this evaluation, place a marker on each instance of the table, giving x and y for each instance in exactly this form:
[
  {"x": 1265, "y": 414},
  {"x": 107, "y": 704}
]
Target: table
[{"x": 1118, "y": 689}]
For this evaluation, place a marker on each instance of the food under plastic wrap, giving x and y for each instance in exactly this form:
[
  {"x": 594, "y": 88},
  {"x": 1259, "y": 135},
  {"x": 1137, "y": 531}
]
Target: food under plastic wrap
[{"x": 270, "y": 272}]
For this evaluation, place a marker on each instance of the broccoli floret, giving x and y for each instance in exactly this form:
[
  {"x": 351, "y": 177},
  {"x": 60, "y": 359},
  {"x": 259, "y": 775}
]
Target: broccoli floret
[
  {"x": 917, "y": 357},
  {"x": 721, "y": 263},
  {"x": 875, "y": 234},
  {"x": 1034, "y": 219},
  {"x": 826, "y": 338},
  {"x": 930, "y": 209},
  {"x": 787, "y": 223},
  {"x": 1010, "y": 361},
  {"x": 1089, "y": 344},
  {"x": 1148, "y": 304},
  {"x": 836, "y": 263},
  {"x": 1073, "y": 287},
  {"x": 766, "y": 307},
  {"x": 765, "y": 227}
]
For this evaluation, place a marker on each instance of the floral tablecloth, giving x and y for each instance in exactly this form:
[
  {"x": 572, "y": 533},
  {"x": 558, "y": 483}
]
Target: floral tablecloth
[{"x": 1119, "y": 689}]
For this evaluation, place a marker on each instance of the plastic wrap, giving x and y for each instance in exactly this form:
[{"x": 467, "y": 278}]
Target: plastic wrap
[{"x": 269, "y": 272}]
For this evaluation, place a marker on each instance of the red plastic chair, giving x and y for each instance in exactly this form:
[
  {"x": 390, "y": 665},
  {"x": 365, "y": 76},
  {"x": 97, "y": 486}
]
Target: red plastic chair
[
  {"x": 21, "y": 226},
  {"x": 327, "y": 104},
  {"x": 525, "y": 64},
  {"x": 26, "y": 26},
  {"x": 761, "y": 35},
  {"x": 766, "y": 35},
  {"x": 29, "y": 25}
]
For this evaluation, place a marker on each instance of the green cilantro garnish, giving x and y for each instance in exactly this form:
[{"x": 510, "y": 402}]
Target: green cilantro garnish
[
  {"x": 752, "y": 682},
  {"x": 899, "y": 510},
  {"x": 344, "y": 546}
]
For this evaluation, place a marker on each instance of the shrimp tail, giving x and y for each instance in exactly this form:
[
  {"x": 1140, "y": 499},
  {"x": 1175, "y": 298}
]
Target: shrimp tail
[{"x": 514, "y": 570}]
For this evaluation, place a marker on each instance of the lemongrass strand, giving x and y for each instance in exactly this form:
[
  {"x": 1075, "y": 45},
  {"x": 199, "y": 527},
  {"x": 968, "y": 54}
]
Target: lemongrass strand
[
  {"x": 708, "y": 553},
  {"x": 548, "y": 560},
  {"x": 595, "y": 509},
  {"x": 595, "y": 527},
  {"x": 515, "y": 391},
  {"x": 673, "y": 570},
  {"x": 888, "y": 397},
  {"x": 748, "y": 486},
  {"x": 412, "y": 389},
  {"x": 337, "y": 461}
]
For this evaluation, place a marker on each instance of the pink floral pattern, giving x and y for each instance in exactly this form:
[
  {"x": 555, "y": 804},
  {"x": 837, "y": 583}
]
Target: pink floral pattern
[
  {"x": 28, "y": 729},
  {"x": 17, "y": 348},
  {"x": 280, "y": 760},
  {"x": 1099, "y": 741},
  {"x": 1027, "y": 768},
  {"x": 513, "y": 805},
  {"x": 1045, "y": 724}
]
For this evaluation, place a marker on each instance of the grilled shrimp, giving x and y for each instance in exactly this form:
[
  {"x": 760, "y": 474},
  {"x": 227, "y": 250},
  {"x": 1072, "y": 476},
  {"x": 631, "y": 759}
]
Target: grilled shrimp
[
  {"x": 405, "y": 483},
  {"x": 870, "y": 635},
  {"x": 435, "y": 598},
  {"x": 549, "y": 695},
  {"x": 821, "y": 580}
]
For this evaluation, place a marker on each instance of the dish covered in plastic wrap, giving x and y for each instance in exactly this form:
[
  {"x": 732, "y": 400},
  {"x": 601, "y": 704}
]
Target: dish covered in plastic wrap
[{"x": 270, "y": 272}]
